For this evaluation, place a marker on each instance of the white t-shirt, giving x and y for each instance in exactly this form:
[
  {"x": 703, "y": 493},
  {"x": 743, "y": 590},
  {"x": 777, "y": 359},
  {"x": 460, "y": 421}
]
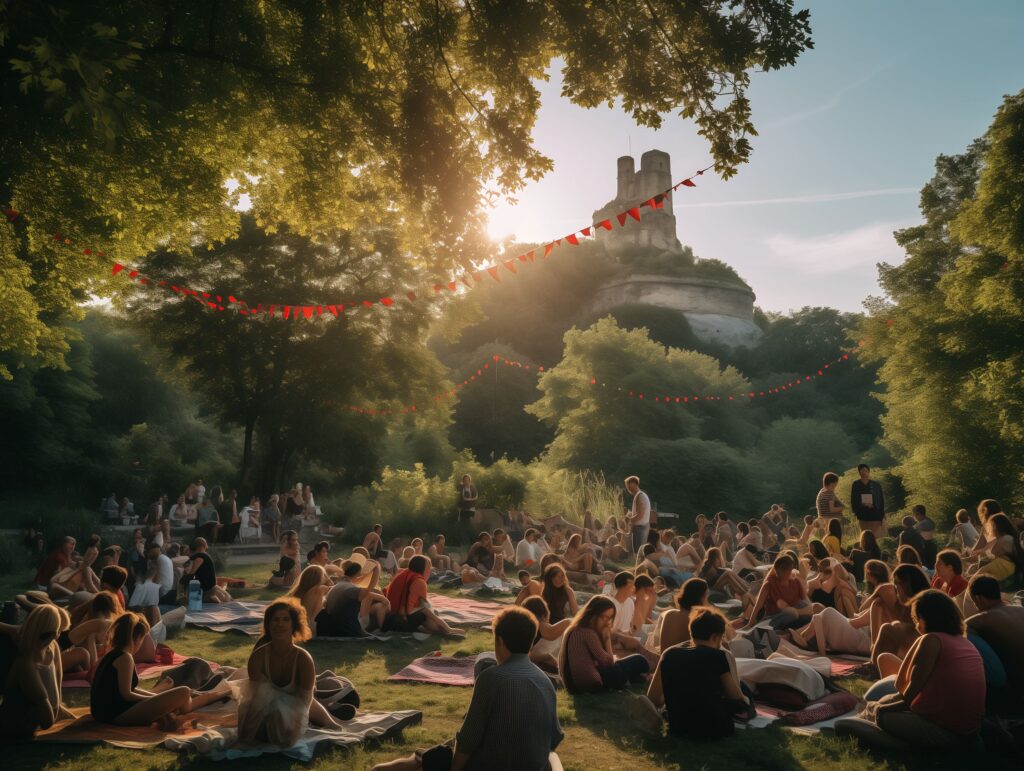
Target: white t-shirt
[
  {"x": 200, "y": 493},
  {"x": 526, "y": 552},
  {"x": 624, "y": 611},
  {"x": 164, "y": 573}
]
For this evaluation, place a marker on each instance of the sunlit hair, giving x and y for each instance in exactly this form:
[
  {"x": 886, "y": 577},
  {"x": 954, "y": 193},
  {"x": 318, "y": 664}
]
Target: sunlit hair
[
  {"x": 691, "y": 593},
  {"x": 907, "y": 555},
  {"x": 555, "y": 596},
  {"x": 44, "y": 619},
  {"x": 310, "y": 578},
  {"x": 910, "y": 580},
  {"x": 988, "y": 508},
  {"x": 300, "y": 626},
  {"x": 128, "y": 628},
  {"x": 596, "y": 605},
  {"x": 877, "y": 570}
]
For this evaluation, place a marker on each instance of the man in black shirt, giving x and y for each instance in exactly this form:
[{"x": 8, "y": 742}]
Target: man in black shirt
[
  {"x": 697, "y": 684},
  {"x": 867, "y": 501}
]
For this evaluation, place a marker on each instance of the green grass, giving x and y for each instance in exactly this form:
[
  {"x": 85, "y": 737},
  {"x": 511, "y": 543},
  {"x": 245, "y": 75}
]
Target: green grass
[{"x": 598, "y": 734}]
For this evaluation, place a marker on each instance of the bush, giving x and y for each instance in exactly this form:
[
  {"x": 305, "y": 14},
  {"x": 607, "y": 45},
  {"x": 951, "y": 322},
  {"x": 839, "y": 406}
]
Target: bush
[{"x": 404, "y": 501}]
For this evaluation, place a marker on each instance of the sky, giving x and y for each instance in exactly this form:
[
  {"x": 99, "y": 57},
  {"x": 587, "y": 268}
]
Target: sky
[{"x": 847, "y": 137}]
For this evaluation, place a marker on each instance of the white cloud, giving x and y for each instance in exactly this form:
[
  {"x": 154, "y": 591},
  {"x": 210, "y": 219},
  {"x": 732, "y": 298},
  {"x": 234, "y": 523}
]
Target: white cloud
[
  {"x": 811, "y": 198},
  {"x": 838, "y": 252}
]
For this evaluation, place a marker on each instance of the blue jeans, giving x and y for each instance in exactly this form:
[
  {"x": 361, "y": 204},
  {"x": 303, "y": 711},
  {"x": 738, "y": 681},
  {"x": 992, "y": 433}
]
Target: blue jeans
[
  {"x": 639, "y": 534},
  {"x": 628, "y": 670}
]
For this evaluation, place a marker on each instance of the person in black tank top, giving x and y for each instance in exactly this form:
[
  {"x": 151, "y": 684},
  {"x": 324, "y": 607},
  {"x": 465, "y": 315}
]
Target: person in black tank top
[
  {"x": 203, "y": 571},
  {"x": 113, "y": 701}
]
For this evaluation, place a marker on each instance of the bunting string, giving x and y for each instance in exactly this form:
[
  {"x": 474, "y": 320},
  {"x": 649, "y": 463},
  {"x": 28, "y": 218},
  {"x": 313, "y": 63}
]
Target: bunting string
[
  {"x": 508, "y": 267},
  {"x": 658, "y": 395}
]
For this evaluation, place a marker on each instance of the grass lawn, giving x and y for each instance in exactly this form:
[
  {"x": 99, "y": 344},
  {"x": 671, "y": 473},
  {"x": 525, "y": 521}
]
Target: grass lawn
[{"x": 598, "y": 735}]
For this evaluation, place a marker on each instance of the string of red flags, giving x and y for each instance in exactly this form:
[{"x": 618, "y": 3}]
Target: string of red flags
[
  {"x": 653, "y": 394},
  {"x": 226, "y": 302}
]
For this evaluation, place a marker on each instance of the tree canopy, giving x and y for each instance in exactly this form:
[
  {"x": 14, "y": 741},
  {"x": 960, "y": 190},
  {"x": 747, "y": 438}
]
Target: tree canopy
[
  {"x": 123, "y": 120},
  {"x": 949, "y": 336}
]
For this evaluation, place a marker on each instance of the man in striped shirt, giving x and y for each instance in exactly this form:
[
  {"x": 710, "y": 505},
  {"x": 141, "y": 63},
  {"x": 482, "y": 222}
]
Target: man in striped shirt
[{"x": 512, "y": 721}]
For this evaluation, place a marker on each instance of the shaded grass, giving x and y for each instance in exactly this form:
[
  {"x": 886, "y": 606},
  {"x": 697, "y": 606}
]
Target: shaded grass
[{"x": 599, "y": 733}]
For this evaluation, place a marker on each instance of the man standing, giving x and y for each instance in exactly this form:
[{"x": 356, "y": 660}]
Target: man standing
[
  {"x": 639, "y": 516},
  {"x": 867, "y": 501}
]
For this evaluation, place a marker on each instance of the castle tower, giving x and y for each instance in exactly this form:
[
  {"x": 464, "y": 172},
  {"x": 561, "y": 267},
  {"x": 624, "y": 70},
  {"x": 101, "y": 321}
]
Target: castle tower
[{"x": 657, "y": 228}]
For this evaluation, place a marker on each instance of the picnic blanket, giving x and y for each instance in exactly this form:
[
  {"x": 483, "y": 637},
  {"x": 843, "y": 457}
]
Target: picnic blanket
[
  {"x": 463, "y": 611},
  {"x": 142, "y": 669},
  {"x": 491, "y": 587},
  {"x": 438, "y": 670},
  {"x": 820, "y": 715},
  {"x": 790, "y": 673},
  {"x": 215, "y": 734},
  {"x": 237, "y": 615},
  {"x": 836, "y": 665}
]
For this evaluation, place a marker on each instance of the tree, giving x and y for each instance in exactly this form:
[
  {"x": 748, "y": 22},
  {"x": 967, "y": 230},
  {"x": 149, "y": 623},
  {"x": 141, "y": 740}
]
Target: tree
[
  {"x": 595, "y": 423},
  {"x": 123, "y": 120},
  {"x": 948, "y": 339},
  {"x": 293, "y": 383}
]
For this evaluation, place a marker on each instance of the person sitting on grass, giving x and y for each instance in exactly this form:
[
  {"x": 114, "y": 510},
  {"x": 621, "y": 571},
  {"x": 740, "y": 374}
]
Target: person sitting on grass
[
  {"x": 675, "y": 622},
  {"x": 625, "y": 633},
  {"x": 527, "y": 552},
  {"x": 894, "y": 639},
  {"x": 645, "y": 598},
  {"x": 697, "y": 684},
  {"x": 719, "y": 577},
  {"x": 32, "y": 688},
  {"x": 531, "y": 587},
  {"x": 310, "y": 590},
  {"x": 350, "y": 609},
  {"x": 949, "y": 573},
  {"x": 512, "y": 720},
  {"x": 276, "y": 703},
  {"x": 586, "y": 662},
  {"x": 1001, "y": 625},
  {"x": 782, "y": 597},
  {"x": 200, "y": 567},
  {"x": 577, "y": 557},
  {"x": 964, "y": 532},
  {"x": 158, "y": 588},
  {"x": 557, "y": 592},
  {"x": 939, "y": 701},
  {"x": 115, "y": 696},
  {"x": 407, "y": 597},
  {"x": 484, "y": 559},
  {"x": 437, "y": 554},
  {"x": 548, "y": 642},
  {"x": 288, "y": 562},
  {"x": 1001, "y": 554}
]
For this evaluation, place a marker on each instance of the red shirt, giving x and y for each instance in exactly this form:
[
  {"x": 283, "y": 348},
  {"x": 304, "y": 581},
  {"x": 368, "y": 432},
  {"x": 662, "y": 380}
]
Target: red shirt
[
  {"x": 790, "y": 591},
  {"x": 57, "y": 561},
  {"x": 954, "y": 588},
  {"x": 953, "y": 697},
  {"x": 399, "y": 591}
]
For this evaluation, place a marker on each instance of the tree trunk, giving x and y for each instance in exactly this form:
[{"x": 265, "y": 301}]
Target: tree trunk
[{"x": 250, "y": 426}]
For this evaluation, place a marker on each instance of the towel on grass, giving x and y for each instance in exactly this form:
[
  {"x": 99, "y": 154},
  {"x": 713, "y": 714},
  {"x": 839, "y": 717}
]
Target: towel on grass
[
  {"x": 236, "y": 615},
  {"x": 438, "y": 670},
  {"x": 789, "y": 673},
  {"x": 836, "y": 665},
  {"x": 216, "y": 733},
  {"x": 142, "y": 669},
  {"x": 463, "y": 611}
]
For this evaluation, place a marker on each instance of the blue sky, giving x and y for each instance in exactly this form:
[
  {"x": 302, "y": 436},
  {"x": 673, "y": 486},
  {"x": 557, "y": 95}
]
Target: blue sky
[{"x": 847, "y": 138}]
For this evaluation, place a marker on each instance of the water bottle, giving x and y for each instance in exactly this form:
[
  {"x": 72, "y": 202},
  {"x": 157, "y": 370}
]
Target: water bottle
[{"x": 195, "y": 595}]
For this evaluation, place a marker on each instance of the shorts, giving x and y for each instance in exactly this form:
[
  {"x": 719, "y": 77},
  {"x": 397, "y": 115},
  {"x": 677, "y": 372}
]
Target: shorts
[{"x": 406, "y": 624}]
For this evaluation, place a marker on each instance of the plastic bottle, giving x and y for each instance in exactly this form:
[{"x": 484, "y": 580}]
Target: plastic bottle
[{"x": 195, "y": 595}]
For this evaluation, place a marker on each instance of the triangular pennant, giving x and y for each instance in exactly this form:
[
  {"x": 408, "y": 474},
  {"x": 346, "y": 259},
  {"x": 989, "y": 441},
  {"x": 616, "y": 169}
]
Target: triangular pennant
[
  {"x": 387, "y": 302},
  {"x": 606, "y": 224},
  {"x": 451, "y": 286},
  {"x": 621, "y": 217},
  {"x": 271, "y": 311},
  {"x": 117, "y": 268},
  {"x": 135, "y": 274},
  {"x": 548, "y": 248},
  {"x": 411, "y": 296},
  {"x": 319, "y": 311},
  {"x": 690, "y": 182},
  {"x": 510, "y": 265},
  {"x": 287, "y": 311},
  {"x": 572, "y": 239},
  {"x": 585, "y": 232},
  {"x": 307, "y": 311},
  {"x": 634, "y": 213},
  {"x": 493, "y": 270},
  {"x": 335, "y": 310},
  {"x": 367, "y": 304}
]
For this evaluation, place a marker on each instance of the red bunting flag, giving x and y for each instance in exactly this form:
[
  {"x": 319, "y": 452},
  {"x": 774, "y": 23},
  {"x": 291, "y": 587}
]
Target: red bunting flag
[
  {"x": 621, "y": 217},
  {"x": 606, "y": 224},
  {"x": 634, "y": 213},
  {"x": 287, "y": 311},
  {"x": 451, "y": 286},
  {"x": 586, "y": 232},
  {"x": 572, "y": 239},
  {"x": 548, "y": 248},
  {"x": 336, "y": 310},
  {"x": 510, "y": 265},
  {"x": 387, "y": 301},
  {"x": 117, "y": 268},
  {"x": 493, "y": 270},
  {"x": 690, "y": 182},
  {"x": 411, "y": 296}
]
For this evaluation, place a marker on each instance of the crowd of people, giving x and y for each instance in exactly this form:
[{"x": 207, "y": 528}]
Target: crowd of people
[{"x": 931, "y": 621}]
